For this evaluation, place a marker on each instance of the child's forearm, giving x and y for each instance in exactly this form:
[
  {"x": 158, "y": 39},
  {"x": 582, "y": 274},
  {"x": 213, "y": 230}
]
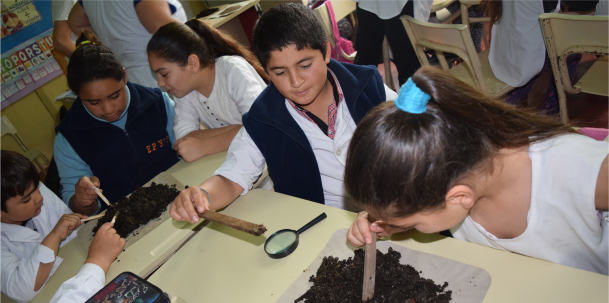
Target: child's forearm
[
  {"x": 51, "y": 241},
  {"x": 222, "y": 191},
  {"x": 207, "y": 133}
]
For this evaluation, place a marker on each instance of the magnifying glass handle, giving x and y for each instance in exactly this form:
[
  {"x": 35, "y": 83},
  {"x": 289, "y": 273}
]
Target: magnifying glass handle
[{"x": 313, "y": 222}]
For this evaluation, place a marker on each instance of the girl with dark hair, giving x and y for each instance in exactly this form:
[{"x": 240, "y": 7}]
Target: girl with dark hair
[
  {"x": 118, "y": 131},
  {"x": 214, "y": 78},
  {"x": 444, "y": 156}
]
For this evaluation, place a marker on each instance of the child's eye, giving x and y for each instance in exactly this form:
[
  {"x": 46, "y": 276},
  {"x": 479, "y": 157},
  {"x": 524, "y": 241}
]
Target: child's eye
[
  {"x": 114, "y": 96},
  {"x": 307, "y": 66},
  {"x": 164, "y": 75},
  {"x": 93, "y": 103},
  {"x": 279, "y": 74},
  {"x": 27, "y": 200}
]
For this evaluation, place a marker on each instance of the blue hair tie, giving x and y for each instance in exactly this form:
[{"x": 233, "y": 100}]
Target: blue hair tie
[{"x": 412, "y": 99}]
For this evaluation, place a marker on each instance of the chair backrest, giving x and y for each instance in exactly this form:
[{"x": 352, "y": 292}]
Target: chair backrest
[
  {"x": 322, "y": 12},
  {"x": 7, "y": 127},
  {"x": 572, "y": 34},
  {"x": 450, "y": 38}
]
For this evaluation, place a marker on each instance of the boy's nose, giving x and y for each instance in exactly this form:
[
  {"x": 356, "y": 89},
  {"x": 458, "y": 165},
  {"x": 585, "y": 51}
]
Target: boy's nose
[
  {"x": 295, "y": 80},
  {"x": 107, "y": 107}
]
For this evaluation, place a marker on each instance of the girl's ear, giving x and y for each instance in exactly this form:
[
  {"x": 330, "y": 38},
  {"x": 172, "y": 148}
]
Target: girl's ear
[
  {"x": 461, "y": 195},
  {"x": 193, "y": 63},
  {"x": 328, "y": 51}
]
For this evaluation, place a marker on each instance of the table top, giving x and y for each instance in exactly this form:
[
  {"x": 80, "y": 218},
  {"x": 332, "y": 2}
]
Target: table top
[
  {"x": 147, "y": 253},
  {"x": 226, "y": 12},
  {"x": 220, "y": 264}
]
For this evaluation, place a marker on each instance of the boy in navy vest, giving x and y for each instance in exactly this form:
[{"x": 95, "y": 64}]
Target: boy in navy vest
[{"x": 300, "y": 125}]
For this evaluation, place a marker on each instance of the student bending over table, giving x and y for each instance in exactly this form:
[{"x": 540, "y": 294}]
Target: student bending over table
[
  {"x": 35, "y": 224},
  {"x": 301, "y": 124},
  {"x": 444, "y": 156},
  {"x": 215, "y": 80},
  {"x": 118, "y": 131}
]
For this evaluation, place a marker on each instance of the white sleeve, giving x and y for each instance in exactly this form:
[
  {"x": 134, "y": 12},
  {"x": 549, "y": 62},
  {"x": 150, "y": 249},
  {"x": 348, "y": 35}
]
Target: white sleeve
[
  {"x": 244, "y": 162},
  {"x": 243, "y": 83},
  {"x": 186, "y": 118},
  {"x": 602, "y": 8},
  {"x": 19, "y": 276},
  {"x": 60, "y": 9},
  {"x": 390, "y": 95},
  {"x": 89, "y": 280}
]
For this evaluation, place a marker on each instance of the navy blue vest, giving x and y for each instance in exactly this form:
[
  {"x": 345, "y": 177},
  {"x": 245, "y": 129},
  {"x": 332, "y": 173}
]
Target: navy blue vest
[
  {"x": 289, "y": 156},
  {"x": 123, "y": 160}
]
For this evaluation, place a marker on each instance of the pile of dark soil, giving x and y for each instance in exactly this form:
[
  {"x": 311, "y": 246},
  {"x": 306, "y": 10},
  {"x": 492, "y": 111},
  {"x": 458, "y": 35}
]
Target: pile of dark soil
[
  {"x": 342, "y": 281},
  {"x": 144, "y": 204}
]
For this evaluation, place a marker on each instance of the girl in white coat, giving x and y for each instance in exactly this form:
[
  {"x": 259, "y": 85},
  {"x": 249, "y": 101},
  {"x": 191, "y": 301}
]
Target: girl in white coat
[{"x": 215, "y": 80}]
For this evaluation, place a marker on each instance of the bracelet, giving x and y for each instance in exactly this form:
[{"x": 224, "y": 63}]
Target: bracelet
[{"x": 208, "y": 196}]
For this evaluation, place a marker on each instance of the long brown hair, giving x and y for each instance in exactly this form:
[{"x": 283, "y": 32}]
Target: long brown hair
[
  {"x": 494, "y": 9},
  {"x": 408, "y": 162},
  {"x": 175, "y": 41}
]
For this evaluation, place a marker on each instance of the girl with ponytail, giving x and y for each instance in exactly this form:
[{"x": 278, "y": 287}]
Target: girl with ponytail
[
  {"x": 214, "y": 78},
  {"x": 445, "y": 156}
]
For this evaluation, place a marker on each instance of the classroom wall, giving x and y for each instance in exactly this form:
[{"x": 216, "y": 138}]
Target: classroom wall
[{"x": 35, "y": 117}]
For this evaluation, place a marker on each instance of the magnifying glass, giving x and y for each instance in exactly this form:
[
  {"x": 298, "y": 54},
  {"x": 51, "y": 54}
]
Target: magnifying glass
[{"x": 283, "y": 242}]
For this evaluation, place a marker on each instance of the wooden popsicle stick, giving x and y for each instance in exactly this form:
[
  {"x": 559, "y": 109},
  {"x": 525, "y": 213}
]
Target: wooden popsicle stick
[
  {"x": 114, "y": 219},
  {"x": 369, "y": 269},
  {"x": 92, "y": 217},
  {"x": 97, "y": 191},
  {"x": 235, "y": 223}
]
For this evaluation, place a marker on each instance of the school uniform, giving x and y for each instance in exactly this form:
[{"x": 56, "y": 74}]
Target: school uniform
[
  {"x": 118, "y": 27},
  {"x": 89, "y": 280},
  {"x": 563, "y": 225},
  {"x": 236, "y": 86},
  {"x": 303, "y": 160},
  {"x": 123, "y": 154},
  {"x": 22, "y": 252}
]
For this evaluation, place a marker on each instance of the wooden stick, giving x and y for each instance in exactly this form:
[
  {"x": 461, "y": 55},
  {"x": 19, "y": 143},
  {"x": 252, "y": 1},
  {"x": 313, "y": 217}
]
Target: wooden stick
[
  {"x": 97, "y": 191},
  {"x": 114, "y": 219},
  {"x": 92, "y": 217},
  {"x": 235, "y": 223},
  {"x": 369, "y": 269}
]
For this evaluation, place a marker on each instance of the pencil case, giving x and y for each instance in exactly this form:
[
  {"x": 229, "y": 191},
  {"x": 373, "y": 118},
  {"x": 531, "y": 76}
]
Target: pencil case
[{"x": 128, "y": 287}]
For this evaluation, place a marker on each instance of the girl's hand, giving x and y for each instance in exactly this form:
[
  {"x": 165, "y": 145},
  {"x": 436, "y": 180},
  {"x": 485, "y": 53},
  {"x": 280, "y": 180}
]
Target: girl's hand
[
  {"x": 183, "y": 207},
  {"x": 66, "y": 224},
  {"x": 105, "y": 247},
  {"x": 359, "y": 232}
]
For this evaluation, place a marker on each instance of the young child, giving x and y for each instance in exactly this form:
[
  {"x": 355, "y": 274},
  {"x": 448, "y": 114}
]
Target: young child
[
  {"x": 301, "y": 124},
  {"x": 444, "y": 156},
  {"x": 35, "y": 224},
  {"x": 117, "y": 131},
  {"x": 215, "y": 80}
]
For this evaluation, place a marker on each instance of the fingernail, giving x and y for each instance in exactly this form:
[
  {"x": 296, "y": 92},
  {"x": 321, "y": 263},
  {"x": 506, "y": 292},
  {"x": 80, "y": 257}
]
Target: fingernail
[
  {"x": 194, "y": 219},
  {"x": 368, "y": 241},
  {"x": 201, "y": 209}
]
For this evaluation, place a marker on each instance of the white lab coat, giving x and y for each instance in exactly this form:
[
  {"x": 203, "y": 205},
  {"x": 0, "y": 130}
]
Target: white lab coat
[
  {"x": 89, "y": 280},
  {"x": 22, "y": 252}
]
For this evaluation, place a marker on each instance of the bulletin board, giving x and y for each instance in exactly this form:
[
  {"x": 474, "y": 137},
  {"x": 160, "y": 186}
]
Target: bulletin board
[{"x": 26, "y": 62}]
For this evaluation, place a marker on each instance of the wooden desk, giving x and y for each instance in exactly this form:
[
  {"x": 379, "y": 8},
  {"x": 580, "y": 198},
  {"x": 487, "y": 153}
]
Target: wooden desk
[
  {"x": 220, "y": 264},
  {"x": 224, "y": 19},
  {"x": 147, "y": 253}
]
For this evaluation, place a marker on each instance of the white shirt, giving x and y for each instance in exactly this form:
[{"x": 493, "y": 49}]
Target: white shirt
[
  {"x": 60, "y": 9},
  {"x": 89, "y": 280},
  {"x": 562, "y": 223},
  {"x": 236, "y": 86},
  {"x": 244, "y": 161},
  {"x": 118, "y": 27},
  {"x": 22, "y": 252},
  {"x": 388, "y": 9},
  {"x": 602, "y": 8},
  {"x": 518, "y": 51}
]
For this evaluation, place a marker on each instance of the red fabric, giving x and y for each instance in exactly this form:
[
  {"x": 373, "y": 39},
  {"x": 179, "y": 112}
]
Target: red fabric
[
  {"x": 341, "y": 43},
  {"x": 598, "y": 134}
]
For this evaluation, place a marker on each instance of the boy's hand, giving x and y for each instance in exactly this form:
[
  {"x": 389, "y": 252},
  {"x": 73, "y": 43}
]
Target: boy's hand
[
  {"x": 66, "y": 224},
  {"x": 359, "y": 232},
  {"x": 182, "y": 207},
  {"x": 190, "y": 149},
  {"x": 106, "y": 245},
  {"x": 85, "y": 192}
]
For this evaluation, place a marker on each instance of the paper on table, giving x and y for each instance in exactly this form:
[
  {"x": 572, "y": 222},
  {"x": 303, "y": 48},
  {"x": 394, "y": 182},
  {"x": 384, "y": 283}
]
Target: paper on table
[
  {"x": 468, "y": 283},
  {"x": 85, "y": 233}
]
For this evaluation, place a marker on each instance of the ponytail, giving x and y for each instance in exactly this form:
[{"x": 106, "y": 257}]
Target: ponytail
[
  {"x": 175, "y": 42},
  {"x": 92, "y": 61},
  {"x": 410, "y": 161}
]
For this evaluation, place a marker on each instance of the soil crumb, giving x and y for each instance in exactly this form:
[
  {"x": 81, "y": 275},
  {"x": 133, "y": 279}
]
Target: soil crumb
[
  {"x": 342, "y": 281},
  {"x": 143, "y": 205}
]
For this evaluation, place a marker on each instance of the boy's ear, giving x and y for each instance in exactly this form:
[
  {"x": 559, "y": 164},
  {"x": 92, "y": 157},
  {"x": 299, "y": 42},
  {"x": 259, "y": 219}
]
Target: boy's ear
[
  {"x": 461, "y": 195},
  {"x": 328, "y": 51},
  {"x": 125, "y": 75},
  {"x": 193, "y": 63}
]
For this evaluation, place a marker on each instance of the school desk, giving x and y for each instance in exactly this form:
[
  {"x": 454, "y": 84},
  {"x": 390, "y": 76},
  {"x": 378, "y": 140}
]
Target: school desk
[
  {"x": 225, "y": 19},
  {"x": 220, "y": 264},
  {"x": 147, "y": 253}
]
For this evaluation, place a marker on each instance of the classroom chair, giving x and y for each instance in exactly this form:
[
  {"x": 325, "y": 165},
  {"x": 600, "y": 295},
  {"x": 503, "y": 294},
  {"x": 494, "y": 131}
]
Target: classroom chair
[
  {"x": 7, "y": 128},
  {"x": 565, "y": 35},
  {"x": 456, "y": 39},
  {"x": 466, "y": 20}
]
